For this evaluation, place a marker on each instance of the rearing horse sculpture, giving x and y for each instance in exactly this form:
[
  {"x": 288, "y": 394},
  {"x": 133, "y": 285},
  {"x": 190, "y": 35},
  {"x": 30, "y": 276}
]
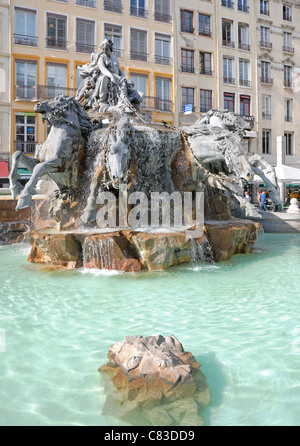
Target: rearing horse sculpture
[{"x": 58, "y": 156}]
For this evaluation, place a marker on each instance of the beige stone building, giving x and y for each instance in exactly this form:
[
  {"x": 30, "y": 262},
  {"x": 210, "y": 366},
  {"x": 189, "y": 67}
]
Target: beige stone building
[
  {"x": 278, "y": 68},
  {"x": 5, "y": 109},
  {"x": 51, "y": 38}
]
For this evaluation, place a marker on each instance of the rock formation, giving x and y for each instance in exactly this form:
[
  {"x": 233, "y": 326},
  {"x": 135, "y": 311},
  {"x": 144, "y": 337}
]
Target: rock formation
[{"x": 154, "y": 381}]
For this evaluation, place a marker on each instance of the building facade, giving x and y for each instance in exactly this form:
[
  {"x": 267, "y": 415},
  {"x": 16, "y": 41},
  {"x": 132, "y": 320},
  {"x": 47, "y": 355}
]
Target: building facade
[{"x": 239, "y": 55}]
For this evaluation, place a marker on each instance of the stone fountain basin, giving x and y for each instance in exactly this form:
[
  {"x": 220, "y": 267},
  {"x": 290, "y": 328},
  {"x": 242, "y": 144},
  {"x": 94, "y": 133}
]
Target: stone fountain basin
[{"x": 136, "y": 250}]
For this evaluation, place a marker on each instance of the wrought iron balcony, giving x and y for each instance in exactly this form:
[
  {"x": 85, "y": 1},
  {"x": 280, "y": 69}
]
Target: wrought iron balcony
[
  {"x": 84, "y": 48},
  {"x": 227, "y": 3},
  {"x": 187, "y": 29},
  {"x": 154, "y": 103},
  {"x": 288, "y": 119},
  {"x": 228, "y": 43},
  {"x": 288, "y": 83},
  {"x": 244, "y": 83},
  {"x": 162, "y": 17},
  {"x": 139, "y": 12},
  {"x": 243, "y": 8},
  {"x": 21, "y": 39},
  {"x": 204, "y": 32},
  {"x": 287, "y": 17},
  {"x": 113, "y": 6},
  {"x": 26, "y": 93},
  {"x": 266, "y": 80},
  {"x": 264, "y": 10},
  {"x": 25, "y": 146},
  {"x": 136, "y": 55},
  {"x": 205, "y": 108},
  {"x": 187, "y": 69},
  {"x": 266, "y": 115},
  {"x": 88, "y": 3},
  {"x": 206, "y": 71},
  {"x": 118, "y": 52},
  {"x": 59, "y": 44},
  {"x": 244, "y": 46},
  {"x": 162, "y": 60},
  {"x": 288, "y": 49},
  {"x": 229, "y": 80},
  {"x": 265, "y": 44}
]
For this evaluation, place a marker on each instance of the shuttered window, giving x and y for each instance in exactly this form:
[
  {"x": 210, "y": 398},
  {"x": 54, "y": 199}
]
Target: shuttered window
[
  {"x": 56, "y": 31},
  {"x": 138, "y": 44},
  {"x": 85, "y": 35}
]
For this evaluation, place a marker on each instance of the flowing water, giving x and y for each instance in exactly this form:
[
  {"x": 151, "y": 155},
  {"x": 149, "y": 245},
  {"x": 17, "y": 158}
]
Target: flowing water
[{"x": 240, "y": 319}]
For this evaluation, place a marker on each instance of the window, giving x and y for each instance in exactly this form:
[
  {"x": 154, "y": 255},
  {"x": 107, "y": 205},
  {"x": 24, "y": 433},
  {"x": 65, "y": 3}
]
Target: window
[
  {"x": 85, "y": 36},
  {"x": 186, "y": 21},
  {"x": 264, "y": 7},
  {"x": 56, "y": 32},
  {"x": 114, "y": 33},
  {"x": 265, "y": 37},
  {"x": 25, "y": 125},
  {"x": 137, "y": 8},
  {"x": 229, "y": 102},
  {"x": 228, "y": 74},
  {"x": 138, "y": 45},
  {"x": 227, "y": 3},
  {"x": 162, "y": 11},
  {"x": 163, "y": 94},
  {"x": 26, "y": 80},
  {"x": 266, "y": 107},
  {"x": 140, "y": 84},
  {"x": 56, "y": 79},
  {"x": 288, "y": 110},
  {"x": 266, "y": 141},
  {"x": 204, "y": 25},
  {"x": 244, "y": 73},
  {"x": 113, "y": 6},
  {"x": 243, "y": 5},
  {"x": 245, "y": 105},
  {"x": 205, "y": 100},
  {"x": 265, "y": 72},
  {"x": 25, "y": 27},
  {"x": 289, "y": 139},
  {"x": 287, "y": 42},
  {"x": 187, "y": 97},
  {"x": 187, "y": 61},
  {"x": 287, "y": 72},
  {"x": 243, "y": 37},
  {"x": 163, "y": 49},
  {"x": 88, "y": 3},
  {"x": 287, "y": 13},
  {"x": 227, "y": 33},
  {"x": 205, "y": 63}
]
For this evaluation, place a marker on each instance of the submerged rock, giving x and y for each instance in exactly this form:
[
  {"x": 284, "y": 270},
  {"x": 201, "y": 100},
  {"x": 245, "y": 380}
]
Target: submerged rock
[{"x": 155, "y": 380}]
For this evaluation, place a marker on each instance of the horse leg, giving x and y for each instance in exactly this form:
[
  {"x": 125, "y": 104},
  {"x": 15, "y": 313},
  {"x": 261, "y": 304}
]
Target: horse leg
[
  {"x": 90, "y": 211},
  {"x": 29, "y": 162},
  {"x": 39, "y": 170}
]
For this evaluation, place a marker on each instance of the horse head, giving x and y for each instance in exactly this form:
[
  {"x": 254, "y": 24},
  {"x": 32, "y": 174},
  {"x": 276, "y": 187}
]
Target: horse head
[{"x": 118, "y": 154}]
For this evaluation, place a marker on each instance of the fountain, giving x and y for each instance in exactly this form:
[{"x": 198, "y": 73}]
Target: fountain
[{"x": 126, "y": 194}]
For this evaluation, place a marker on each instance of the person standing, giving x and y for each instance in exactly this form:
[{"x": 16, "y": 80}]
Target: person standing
[{"x": 263, "y": 201}]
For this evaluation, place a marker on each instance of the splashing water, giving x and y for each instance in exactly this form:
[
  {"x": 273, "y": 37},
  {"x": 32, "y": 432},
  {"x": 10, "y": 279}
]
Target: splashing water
[{"x": 98, "y": 253}]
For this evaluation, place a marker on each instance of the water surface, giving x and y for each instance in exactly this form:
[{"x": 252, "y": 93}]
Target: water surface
[{"x": 240, "y": 319}]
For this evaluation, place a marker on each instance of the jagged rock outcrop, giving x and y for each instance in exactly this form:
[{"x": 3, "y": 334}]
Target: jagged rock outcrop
[{"x": 155, "y": 381}]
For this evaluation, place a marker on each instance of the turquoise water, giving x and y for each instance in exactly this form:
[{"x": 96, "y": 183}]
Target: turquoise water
[{"x": 240, "y": 319}]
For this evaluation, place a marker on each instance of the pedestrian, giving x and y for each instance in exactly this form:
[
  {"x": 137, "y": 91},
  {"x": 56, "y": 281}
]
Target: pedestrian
[
  {"x": 263, "y": 201},
  {"x": 247, "y": 196}
]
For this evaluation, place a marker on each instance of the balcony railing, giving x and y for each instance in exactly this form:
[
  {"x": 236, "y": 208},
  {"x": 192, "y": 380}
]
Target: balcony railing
[
  {"x": 228, "y": 43},
  {"x": 187, "y": 29},
  {"x": 264, "y": 11},
  {"x": 88, "y": 3},
  {"x": 154, "y": 103},
  {"x": 228, "y": 80},
  {"x": 244, "y": 46},
  {"x": 227, "y": 3},
  {"x": 265, "y": 44},
  {"x": 187, "y": 69},
  {"x": 205, "y": 32},
  {"x": 243, "y": 8},
  {"x": 21, "y": 39},
  {"x": 162, "y": 17},
  {"x": 38, "y": 92},
  {"x": 139, "y": 12},
  {"x": 288, "y": 49},
  {"x": 84, "y": 48},
  {"x": 266, "y": 80},
  {"x": 25, "y": 146},
  {"x": 266, "y": 115},
  {"x": 287, "y": 17},
  {"x": 244, "y": 83},
  {"x": 162, "y": 60},
  {"x": 59, "y": 44},
  {"x": 136, "y": 55},
  {"x": 288, "y": 83},
  {"x": 113, "y": 6},
  {"x": 288, "y": 119},
  {"x": 118, "y": 52},
  {"x": 205, "y": 108},
  {"x": 206, "y": 71},
  {"x": 25, "y": 92}
]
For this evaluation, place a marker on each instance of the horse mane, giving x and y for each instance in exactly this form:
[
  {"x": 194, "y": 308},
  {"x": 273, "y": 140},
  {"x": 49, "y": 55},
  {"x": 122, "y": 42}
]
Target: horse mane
[{"x": 61, "y": 114}]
